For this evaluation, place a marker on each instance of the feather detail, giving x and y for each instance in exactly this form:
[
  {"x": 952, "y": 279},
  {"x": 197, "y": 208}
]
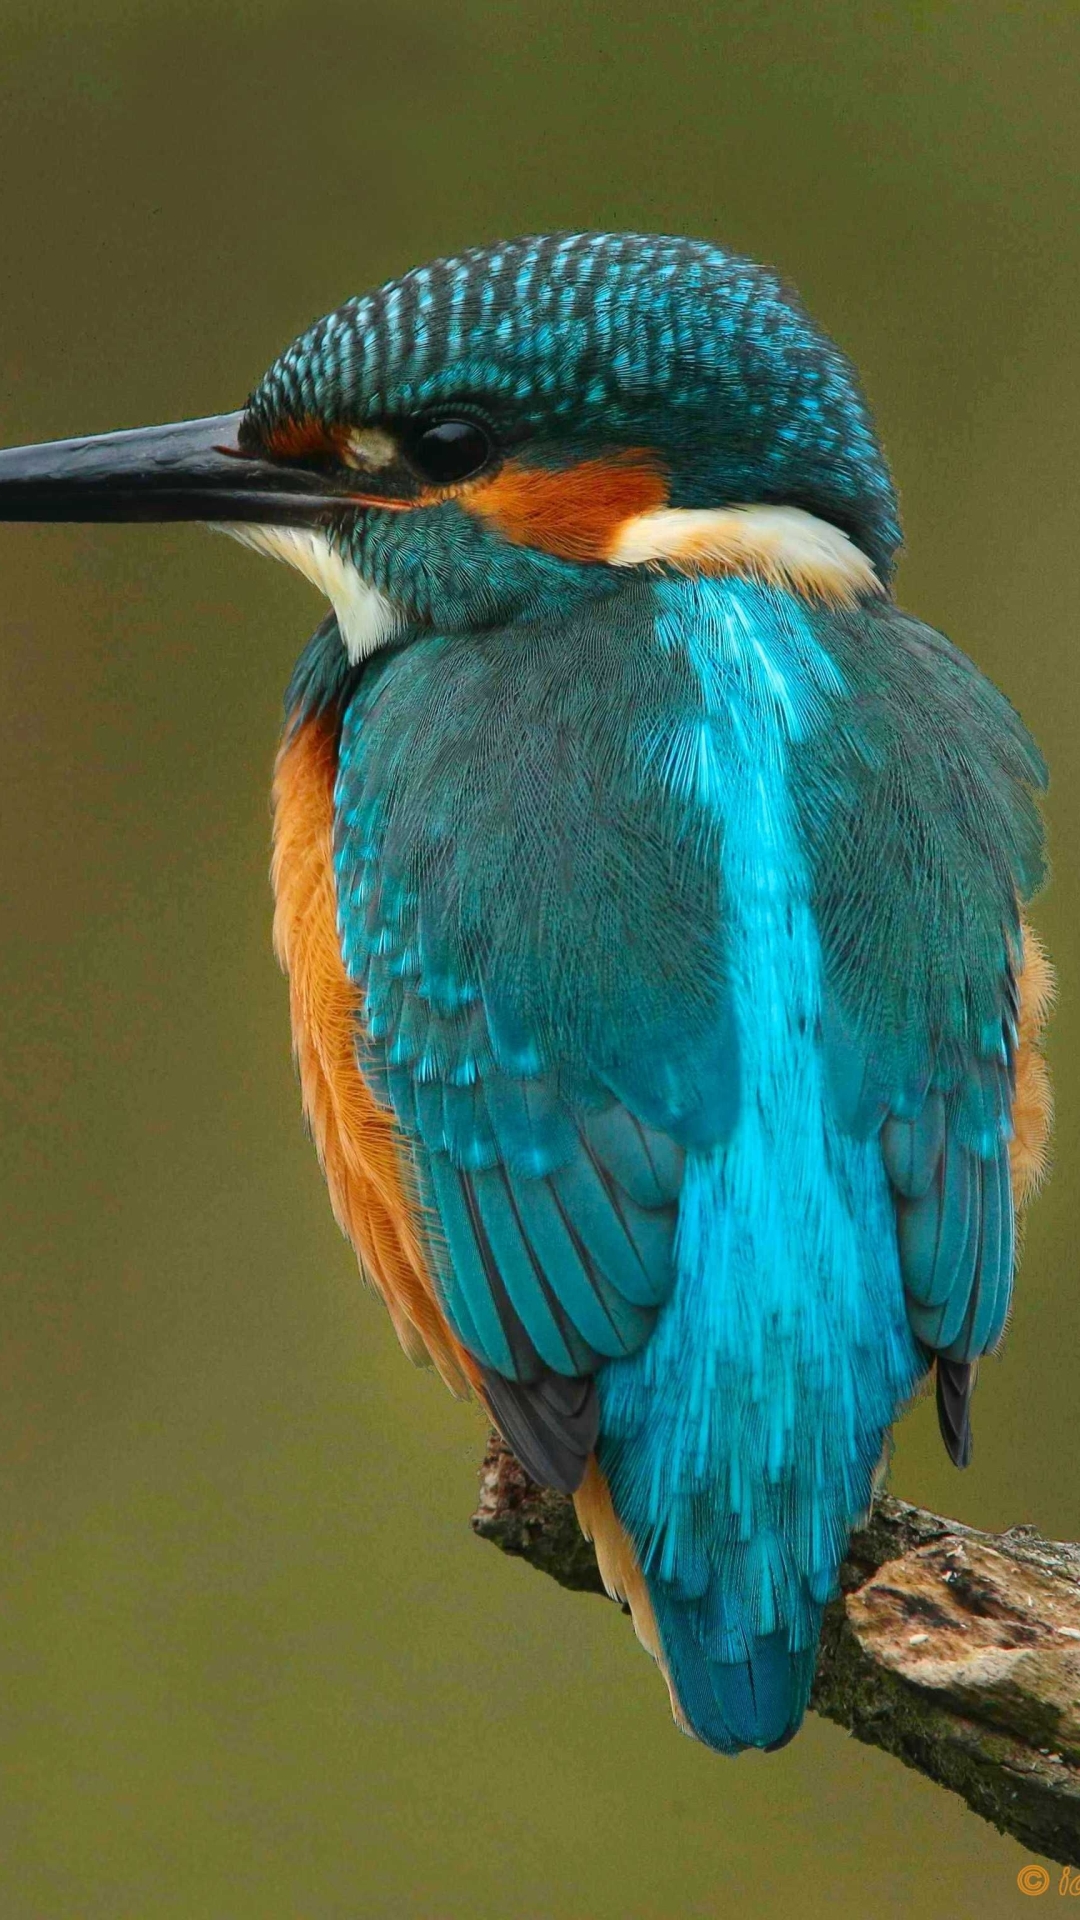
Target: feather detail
[
  {"x": 549, "y": 1423},
  {"x": 619, "y": 1568},
  {"x": 955, "y": 1385},
  {"x": 488, "y": 894},
  {"x": 573, "y": 512},
  {"x": 356, "y": 1139},
  {"x": 1033, "y": 1101},
  {"x": 782, "y": 547}
]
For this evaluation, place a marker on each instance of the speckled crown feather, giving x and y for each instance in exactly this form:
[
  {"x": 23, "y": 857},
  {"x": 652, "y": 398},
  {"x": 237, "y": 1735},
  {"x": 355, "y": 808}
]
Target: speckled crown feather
[{"x": 575, "y": 341}]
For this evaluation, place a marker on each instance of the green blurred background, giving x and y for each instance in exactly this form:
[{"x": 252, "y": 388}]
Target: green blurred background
[{"x": 252, "y": 1663}]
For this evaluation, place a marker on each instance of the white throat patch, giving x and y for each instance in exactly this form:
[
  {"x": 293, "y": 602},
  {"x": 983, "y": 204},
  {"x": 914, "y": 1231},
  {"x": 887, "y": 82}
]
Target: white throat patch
[{"x": 366, "y": 617}]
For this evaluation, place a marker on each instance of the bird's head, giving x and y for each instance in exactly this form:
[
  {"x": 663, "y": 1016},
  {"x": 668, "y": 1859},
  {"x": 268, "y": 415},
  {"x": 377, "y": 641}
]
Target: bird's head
[{"x": 516, "y": 427}]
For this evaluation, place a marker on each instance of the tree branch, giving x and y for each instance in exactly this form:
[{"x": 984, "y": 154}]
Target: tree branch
[{"x": 957, "y": 1651}]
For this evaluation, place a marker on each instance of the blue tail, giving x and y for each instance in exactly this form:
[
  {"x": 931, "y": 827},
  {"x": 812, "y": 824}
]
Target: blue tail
[
  {"x": 740, "y": 1444},
  {"x": 756, "y": 1701}
]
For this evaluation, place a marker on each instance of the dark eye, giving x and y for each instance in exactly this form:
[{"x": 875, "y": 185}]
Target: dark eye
[{"x": 449, "y": 450}]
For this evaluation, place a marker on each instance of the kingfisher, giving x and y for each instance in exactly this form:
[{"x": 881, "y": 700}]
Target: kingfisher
[{"x": 651, "y": 889}]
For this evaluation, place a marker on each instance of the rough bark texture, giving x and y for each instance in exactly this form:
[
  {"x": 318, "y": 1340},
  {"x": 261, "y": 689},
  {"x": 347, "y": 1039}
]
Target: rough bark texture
[{"x": 957, "y": 1651}]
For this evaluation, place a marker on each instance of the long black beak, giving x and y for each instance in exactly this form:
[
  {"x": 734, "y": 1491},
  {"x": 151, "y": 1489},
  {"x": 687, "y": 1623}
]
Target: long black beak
[{"x": 195, "y": 470}]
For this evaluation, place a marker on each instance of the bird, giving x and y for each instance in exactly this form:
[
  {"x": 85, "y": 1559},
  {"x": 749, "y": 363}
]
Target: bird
[{"x": 652, "y": 890}]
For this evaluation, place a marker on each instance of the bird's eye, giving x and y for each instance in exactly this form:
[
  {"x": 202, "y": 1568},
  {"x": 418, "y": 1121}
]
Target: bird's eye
[{"x": 448, "y": 450}]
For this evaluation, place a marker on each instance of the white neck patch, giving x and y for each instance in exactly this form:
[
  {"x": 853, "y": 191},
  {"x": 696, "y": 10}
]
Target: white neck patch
[
  {"x": 780, "y": 546},
  {"x": 366, "y": 617}
]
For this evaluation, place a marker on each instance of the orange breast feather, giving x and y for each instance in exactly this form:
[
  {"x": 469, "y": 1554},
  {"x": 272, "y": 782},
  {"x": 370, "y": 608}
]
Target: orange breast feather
[
  {"x": 357, "y": 1140},
  {"x": 1033, "y": 1104}
]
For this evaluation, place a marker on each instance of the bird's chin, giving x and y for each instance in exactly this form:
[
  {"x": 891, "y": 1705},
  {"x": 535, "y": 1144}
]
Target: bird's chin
[{"x": 367, "y": 619}]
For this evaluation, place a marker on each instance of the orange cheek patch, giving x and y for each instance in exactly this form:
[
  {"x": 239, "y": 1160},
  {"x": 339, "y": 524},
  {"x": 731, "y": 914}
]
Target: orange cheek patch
[
  {"x": 572, "y": 512},
  {"x": 362, "y": 1154}
]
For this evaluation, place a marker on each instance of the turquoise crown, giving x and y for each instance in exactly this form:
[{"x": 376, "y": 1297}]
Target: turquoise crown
[{"x": 575, "y": 343}]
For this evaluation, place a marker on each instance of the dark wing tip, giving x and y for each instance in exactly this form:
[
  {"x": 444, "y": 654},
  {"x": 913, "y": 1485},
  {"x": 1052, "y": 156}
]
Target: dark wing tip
[
  {"x": 955, "y": 1386},
  {"x": 550, "y": 1424}
]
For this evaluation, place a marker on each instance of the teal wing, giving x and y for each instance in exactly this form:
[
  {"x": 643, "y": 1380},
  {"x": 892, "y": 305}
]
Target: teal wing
[
  {"x": 531, "y": 904},
  {"x": 925, "y": 836},
  {"x": 539, "y": 951}
]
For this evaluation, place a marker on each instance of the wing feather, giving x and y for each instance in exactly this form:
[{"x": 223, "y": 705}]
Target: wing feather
[
  {"x": 922, "y": 826},
  {"x": 474, "y": 861}
]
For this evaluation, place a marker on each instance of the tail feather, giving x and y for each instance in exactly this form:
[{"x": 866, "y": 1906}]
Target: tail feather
[
  {"x": 758, "y": 1701},
  {"x": 955, "y": 1386},
  {"x": 728, "y": 1704}
]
